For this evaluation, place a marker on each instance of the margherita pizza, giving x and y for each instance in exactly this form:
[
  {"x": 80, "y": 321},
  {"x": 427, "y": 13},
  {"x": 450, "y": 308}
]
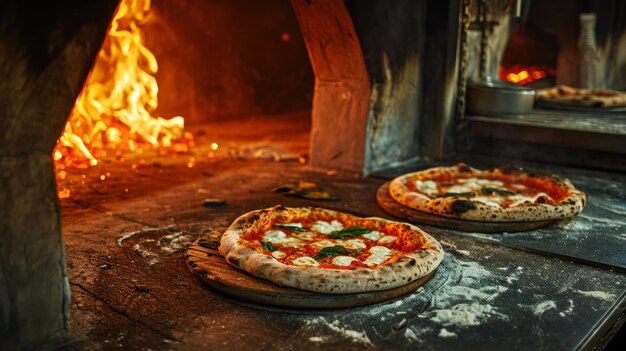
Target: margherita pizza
[
  {"x": 328, "y": 251},
  {"x": 495, "y": 195},
  {"x": 563, "y": 94}
]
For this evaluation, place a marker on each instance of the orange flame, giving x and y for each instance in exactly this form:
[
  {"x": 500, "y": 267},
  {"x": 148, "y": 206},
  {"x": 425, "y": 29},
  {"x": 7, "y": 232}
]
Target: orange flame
[
  {"x": 113, "y": 111},
  {"x": 523, "y": 75}
]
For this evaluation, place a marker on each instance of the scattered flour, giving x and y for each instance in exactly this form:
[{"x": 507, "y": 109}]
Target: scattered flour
[
  {"x": 149, "y": 256},
  {"x": 542, "y": 307},
  {"x": 569, "y": 309},
  {"x": 316, "y": 339},
  {"x": 141, "y": 232},
  {"x": 175, "y": 242},
  {"x": 463, "y": 252},
  {"x": 151, "y": 249},
  {"x": 464, "y": 293},
  {"x": 464, "y": 315},
  {"x": 410, "y": 335},
  {"x": 353, "y": 335},
  {"x": 576, "y": 224},
  {"x": 597, "y": 294},
  {"x": 466, "y": 302},
  {"x": 452, "y": 247},
  {"x": 447, "y": 245},
  {"x": 444, "y": 333},
  {"x": 397, "y": 303},
  {"x": 514, "y": 275}
]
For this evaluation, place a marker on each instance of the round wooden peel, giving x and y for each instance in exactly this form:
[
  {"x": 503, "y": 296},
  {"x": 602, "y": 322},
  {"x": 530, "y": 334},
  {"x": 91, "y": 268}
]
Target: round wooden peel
[
  {"x": 394, "y": 208},
  {"x": 209, "y": 266}
]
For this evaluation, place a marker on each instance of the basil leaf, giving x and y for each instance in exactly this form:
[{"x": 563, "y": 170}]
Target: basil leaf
[
  {"x": 349, "y": 232},
  {"x": 291, "y": 228},
  {"x": 306, "y": 190},
  {"x": 266, "y": 245},
  {"x": 332, "y": 251},
  {"x": 468, "y": 194},
  {"x": 496, "y": 191}
]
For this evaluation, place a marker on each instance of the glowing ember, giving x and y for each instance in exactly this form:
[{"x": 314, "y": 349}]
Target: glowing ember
[
  {"x": 64, "y": 193},
  {"x": 113, "y": 112},
  {"x": 524, "y": 75}
]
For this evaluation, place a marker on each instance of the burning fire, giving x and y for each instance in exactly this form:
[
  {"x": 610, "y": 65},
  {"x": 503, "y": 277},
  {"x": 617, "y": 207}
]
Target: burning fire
[
  {"x": 113, "y": 112},
  {"x": 523, "y": 75}
]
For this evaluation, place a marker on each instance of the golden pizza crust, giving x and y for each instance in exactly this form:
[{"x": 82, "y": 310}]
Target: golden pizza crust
[
  {"x": 409, "y": 267},
  {"x": 465, "y": 208}
]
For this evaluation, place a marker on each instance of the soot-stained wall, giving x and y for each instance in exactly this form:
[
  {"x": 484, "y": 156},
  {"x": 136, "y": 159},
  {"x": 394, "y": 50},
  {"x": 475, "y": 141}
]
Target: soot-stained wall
[
  {"x": 391, "y": 37},
  {"x": 46, "y": 51}
]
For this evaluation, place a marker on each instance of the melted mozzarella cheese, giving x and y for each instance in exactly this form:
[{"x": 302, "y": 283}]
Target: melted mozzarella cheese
[
  {"x": 308, "y": 236},
  {"x": 274, "y": 236},
  {"x": 322, "y": 244},
  {"x": 467, "y": 185},
  {"x": 380, "y": 250},
  {"x": 305, "y": 261},
  {"x": 354, "y": 244},
  {"x": 327, "y": 228},
  {"x": 278, "y": 254},
  {"x": 520, "y": 199},
  {"x": 379, "y": 255},
  {"x": 518, "y": 186},
  {"x": 428, "y": 187},
  {"x": 373, "y": 235},
  {"x": 280, "y": 238},
  {"x": 493, "y": 201},
  {"x": 343, "y": 260},
  {"x": 387, "y": 239},
  {"x": 513, "y": 200}
]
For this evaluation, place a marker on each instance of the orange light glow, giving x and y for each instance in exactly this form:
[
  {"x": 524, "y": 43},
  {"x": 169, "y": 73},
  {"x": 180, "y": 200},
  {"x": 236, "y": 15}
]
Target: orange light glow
[
  {"x": 64, "y": 193},
  {"x": 113, "y": 112},
  {"x": 523, "y": 75}
]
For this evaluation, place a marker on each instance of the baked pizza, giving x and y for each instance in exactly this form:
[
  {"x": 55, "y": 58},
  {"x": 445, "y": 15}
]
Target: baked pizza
[
  {"x": 327, "y": 251},
  {"x": 503, "y": 194},
  {"x": 563, "y": 94}
]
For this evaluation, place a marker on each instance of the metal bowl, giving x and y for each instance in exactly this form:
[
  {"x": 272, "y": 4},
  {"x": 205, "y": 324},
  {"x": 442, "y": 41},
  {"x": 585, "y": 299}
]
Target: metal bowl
[{"x": 495, "y": 97}]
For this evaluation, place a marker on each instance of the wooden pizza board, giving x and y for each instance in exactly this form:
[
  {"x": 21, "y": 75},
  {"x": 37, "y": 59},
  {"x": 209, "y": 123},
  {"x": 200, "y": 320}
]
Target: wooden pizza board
[
  {"x": 394, "y": 208},
  {"x": 211, "y": 268}
]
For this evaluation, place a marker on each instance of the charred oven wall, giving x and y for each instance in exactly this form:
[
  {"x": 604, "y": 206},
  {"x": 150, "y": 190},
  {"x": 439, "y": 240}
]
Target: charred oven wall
[
  {"x": 228, "y": 58},
  {"x": 46, "y": 51}
]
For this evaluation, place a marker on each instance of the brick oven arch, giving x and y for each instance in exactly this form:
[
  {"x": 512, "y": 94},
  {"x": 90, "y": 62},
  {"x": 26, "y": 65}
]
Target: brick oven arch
[{"x": 342, "y": 85}]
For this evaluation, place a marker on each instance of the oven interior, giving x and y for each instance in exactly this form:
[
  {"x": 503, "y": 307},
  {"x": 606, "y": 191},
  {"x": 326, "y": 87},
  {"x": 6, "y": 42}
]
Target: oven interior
[{"x": 344, "y": 94}]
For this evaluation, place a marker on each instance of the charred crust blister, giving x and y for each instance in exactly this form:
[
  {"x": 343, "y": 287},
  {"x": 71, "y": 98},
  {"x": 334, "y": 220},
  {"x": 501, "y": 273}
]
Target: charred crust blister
[
  {"x": 509, "y": 169},
  {"x": 461, "y": 206},
  {"x": 463, "y": 168}
]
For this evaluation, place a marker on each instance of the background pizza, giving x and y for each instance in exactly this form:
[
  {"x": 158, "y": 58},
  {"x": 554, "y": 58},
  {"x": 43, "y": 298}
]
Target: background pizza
[
  {"x": 582, "y": 97},
  {"x": 494, "y": 195}
]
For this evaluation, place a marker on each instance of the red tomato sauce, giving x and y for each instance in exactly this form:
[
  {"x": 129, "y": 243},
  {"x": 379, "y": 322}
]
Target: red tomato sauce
[{"x": 408, "y": 240}]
